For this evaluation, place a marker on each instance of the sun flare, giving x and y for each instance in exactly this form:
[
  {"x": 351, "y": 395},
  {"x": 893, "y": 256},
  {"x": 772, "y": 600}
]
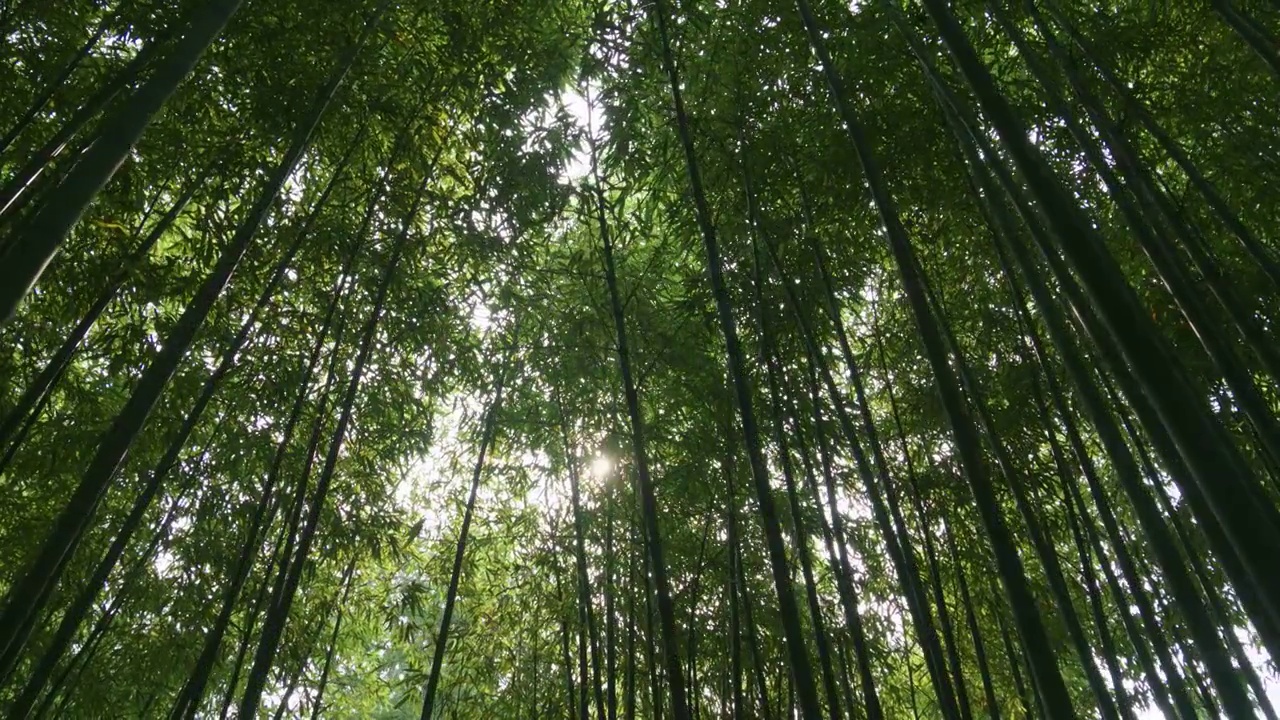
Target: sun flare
[{"x": 601, "y": 466}]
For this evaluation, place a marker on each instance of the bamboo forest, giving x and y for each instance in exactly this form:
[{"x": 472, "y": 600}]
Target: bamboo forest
[{"x": 640, "y": 359}]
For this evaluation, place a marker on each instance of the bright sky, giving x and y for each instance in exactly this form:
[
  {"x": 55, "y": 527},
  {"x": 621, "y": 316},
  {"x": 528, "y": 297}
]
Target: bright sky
[
  {"x": 1269, "y": 681},
  {"x": 576, "y": 104}
]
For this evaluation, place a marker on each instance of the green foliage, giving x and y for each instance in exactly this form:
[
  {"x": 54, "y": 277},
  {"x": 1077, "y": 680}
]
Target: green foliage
[{"x": 506, "y": 118}]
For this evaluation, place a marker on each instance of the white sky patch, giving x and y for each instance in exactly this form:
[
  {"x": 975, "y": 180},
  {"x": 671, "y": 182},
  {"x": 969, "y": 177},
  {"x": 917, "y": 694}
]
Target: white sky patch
[
  {"x": 481, "y": 317},
  {"x": 584, "y": 117},
  {"x": 165, "y": 557},
  {"x": 1270, "y": 685},
  {"x": 437, "y": 482},
  {"x": 1257, "y": 658},
  {"x": 445, "y": 460},
  {"x": 296, "y": 184}
]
